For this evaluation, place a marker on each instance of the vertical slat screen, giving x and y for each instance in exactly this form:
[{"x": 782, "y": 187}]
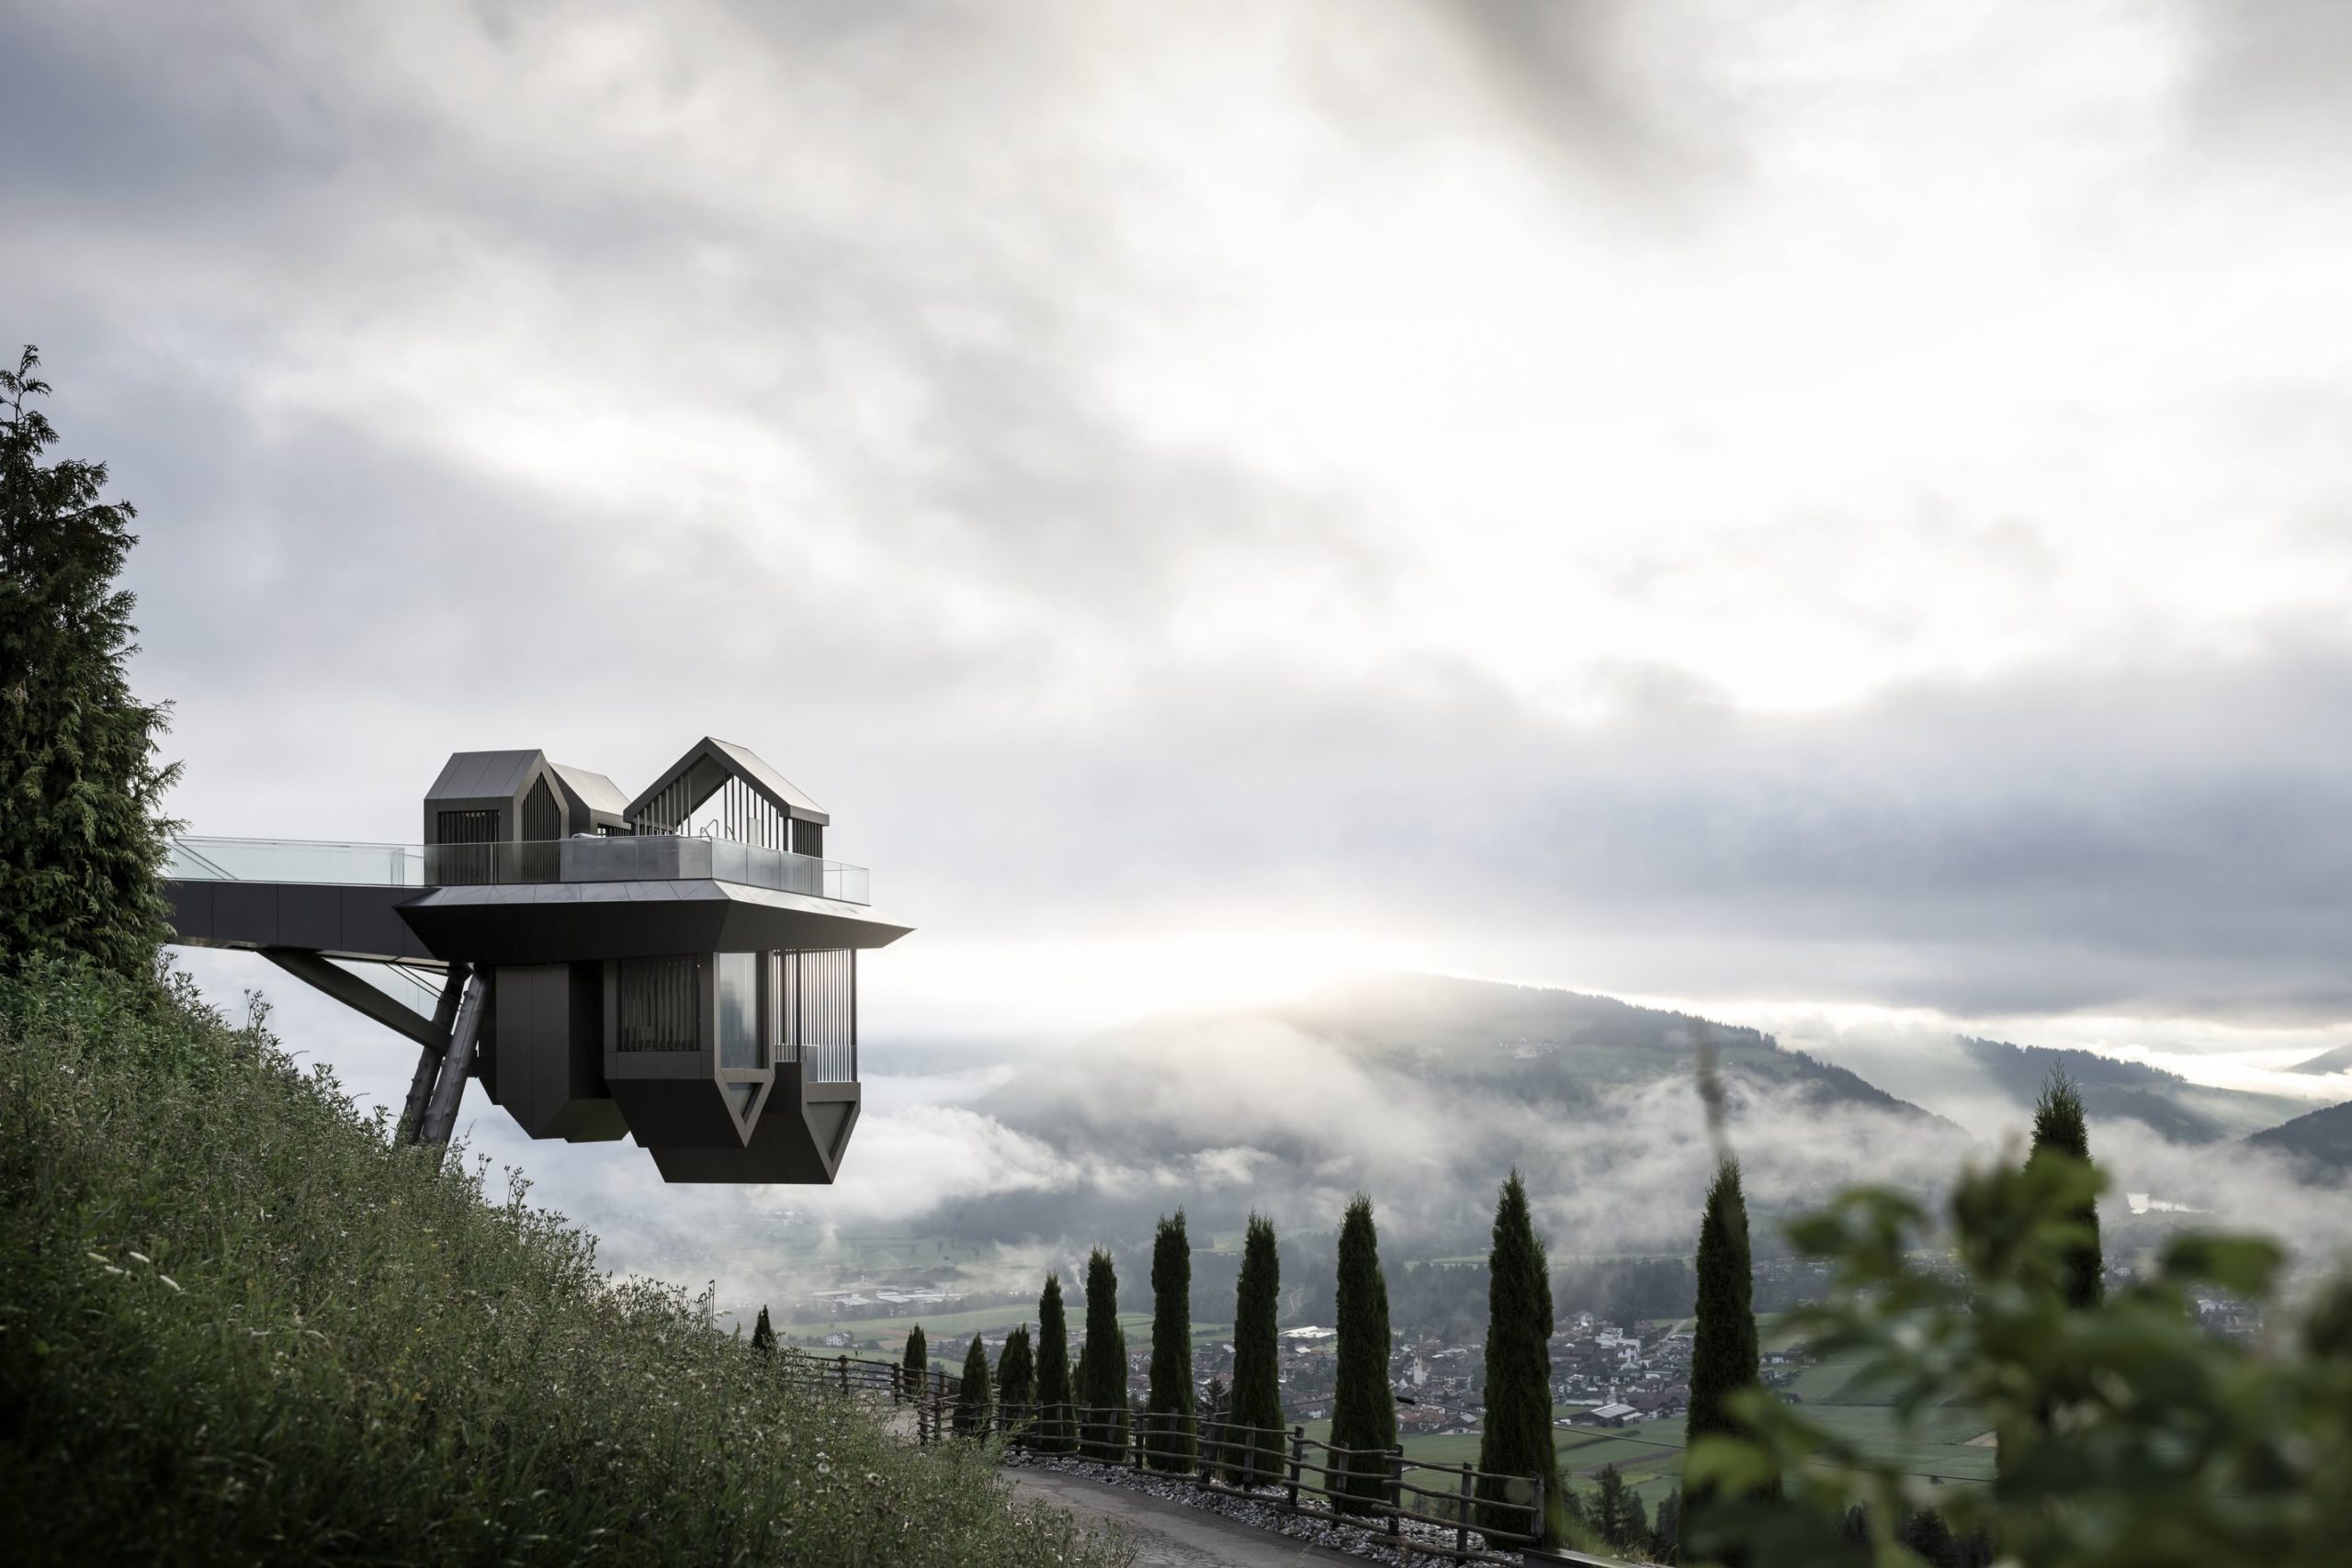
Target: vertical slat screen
[
  {"x": 656, "y": 1005},
  {"x": 820, "y": 1014}
]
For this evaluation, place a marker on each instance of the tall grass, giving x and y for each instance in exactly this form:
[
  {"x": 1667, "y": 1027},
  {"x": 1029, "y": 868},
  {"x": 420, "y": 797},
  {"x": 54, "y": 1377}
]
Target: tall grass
[{"x": 237, "y": 1325}]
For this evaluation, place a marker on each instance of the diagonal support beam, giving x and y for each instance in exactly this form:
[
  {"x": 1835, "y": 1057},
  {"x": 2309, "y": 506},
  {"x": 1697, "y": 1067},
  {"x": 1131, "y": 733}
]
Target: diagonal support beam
[
  {"x": 428, "y": 1059},
  {"x": 457, "y": 1065},
  {"x": 357, "y": 994}
]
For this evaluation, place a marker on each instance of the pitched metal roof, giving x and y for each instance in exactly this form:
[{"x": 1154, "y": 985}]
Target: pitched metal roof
[
  {"x": 597, "y": 792},
  {"x": 719, "y": 758},
  {"x": 479, "y": 775}
]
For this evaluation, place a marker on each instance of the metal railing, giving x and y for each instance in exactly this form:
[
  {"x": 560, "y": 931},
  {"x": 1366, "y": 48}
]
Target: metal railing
[
  {"x": 1379, "y": 1490},
  {"x": 657, "y": 857}
]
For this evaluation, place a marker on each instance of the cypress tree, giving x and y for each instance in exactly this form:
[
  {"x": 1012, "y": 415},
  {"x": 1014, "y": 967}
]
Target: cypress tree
[
  {"x": 1053, "y": 1370},
  {"x": 1665, "y": 1536},
  {"x": 917, "y": 1364},
  {"x": 1102, "y": 1382},
  {"x": 1723, "y": 1344},
  {"x": 972, "y": 1400},
  {"x": 763, "y": 1336},
  {"x": 81, "y": 836},
  {"x": 1255, "y": 1455},
  {"x": 1170, "y": 1403},
  {"x": 1516, "y": 1439},
  {"x": 2060, "y": 1131},
  {"x": 1016, "y": 1376},
  {"x": 1610, "y": 1515},
  {"x": 1364, "y": 1408}
]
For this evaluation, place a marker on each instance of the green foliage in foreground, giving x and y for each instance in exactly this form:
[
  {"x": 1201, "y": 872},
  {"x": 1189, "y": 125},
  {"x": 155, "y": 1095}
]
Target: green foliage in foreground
[
  {"x": 236, "y": 1325},
  {"x": 2129, "y": 1437}
]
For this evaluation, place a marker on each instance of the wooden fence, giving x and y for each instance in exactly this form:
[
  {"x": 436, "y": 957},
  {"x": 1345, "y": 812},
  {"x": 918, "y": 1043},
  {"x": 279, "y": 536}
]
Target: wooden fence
[{"x": 1372, "y": 1489}]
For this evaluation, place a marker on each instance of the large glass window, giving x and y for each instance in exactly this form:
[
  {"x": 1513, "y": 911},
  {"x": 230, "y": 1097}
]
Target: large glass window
[{"x": 739, "y": 1011}]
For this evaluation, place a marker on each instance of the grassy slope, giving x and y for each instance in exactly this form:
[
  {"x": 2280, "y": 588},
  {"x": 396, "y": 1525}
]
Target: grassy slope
[{"x": 236, "y": 1325}]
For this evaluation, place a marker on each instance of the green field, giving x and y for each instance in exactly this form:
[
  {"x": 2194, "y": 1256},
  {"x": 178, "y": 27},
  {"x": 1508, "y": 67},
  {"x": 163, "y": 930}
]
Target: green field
[{"x": 1649, "y": 1454}]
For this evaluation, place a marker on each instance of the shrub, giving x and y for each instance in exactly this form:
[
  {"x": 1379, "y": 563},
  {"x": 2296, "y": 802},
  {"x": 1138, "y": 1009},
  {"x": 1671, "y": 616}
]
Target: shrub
[
  {"x": 2129, "y": 1437},
  {"x": 238, "y": 1324}
]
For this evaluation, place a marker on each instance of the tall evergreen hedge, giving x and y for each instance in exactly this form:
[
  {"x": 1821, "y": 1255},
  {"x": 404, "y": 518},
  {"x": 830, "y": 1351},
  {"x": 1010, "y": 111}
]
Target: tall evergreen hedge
[
  {"x": 1103, "y": 1388},
  {"x": 764, "y": 1334},
  {"x": 1170, "y": 1402},
  {"x": 1016, "y": 1375},
  {"x": 1054, "y": 1432},
  {"x": 2060, "y": 1131},
  {"x": 1363, "y": 1410},
  {"x": 1257, "y": 1382},
  {"x": 972, "y": 1400},
  {"x": 917, "y": 1362},
  {"x": 1723, "y": 1344},
  {"x": 1516, "y": 1439},
  {"x": 80, "y": 791}
]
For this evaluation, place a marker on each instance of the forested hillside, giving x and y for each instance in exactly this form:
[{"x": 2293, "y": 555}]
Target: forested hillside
[{"x": 2320, "y": 1142}]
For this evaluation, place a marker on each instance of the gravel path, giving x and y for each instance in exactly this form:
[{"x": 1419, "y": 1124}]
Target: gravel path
[
  {"x": 1177, "y": 1525},
  {"x": 1169, "y": 1535}
]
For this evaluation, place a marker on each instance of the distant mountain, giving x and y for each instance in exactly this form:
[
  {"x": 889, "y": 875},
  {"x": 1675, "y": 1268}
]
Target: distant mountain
[
  {"x": 2186, "y": 1113},
  {"x": 2336, "y": 1061},
  {"x": 1424, "y": 1091},
  {"x": 1562, "y": 1048},
  {"x": 1990, "y": 1085},
  {"x": 2321, "y": 1142}
]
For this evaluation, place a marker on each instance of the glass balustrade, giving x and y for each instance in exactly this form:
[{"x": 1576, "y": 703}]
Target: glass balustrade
[{"x": 643, "y": 858}]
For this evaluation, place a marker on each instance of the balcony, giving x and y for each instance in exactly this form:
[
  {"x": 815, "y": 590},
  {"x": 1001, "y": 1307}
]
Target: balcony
[{"x": 644, "y": 858}]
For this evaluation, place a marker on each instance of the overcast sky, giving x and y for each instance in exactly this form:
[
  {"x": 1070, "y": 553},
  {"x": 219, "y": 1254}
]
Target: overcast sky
[{"x": 1845, "y": 508}]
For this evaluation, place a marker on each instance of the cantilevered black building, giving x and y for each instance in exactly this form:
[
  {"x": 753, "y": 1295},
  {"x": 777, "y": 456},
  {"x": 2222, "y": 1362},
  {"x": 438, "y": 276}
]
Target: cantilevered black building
[{"x": 680, "y": 967}]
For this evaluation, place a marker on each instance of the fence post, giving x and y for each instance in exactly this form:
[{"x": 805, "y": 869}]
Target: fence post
[
  {"x": 1462, "y": 1530},
  {"x": 1205, "y": 1472},
  {"x": 1396, "y": 1490},
  {"x": 1535, "y": 1526},
  {"x": 1297, "y": 1458},
  {"x": 844, "y": 1363},
  {"x": 1141, "y": 1422}
]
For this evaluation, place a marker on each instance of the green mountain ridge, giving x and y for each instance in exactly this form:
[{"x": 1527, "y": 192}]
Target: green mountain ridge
[{"x": 2319, "y": 1142}]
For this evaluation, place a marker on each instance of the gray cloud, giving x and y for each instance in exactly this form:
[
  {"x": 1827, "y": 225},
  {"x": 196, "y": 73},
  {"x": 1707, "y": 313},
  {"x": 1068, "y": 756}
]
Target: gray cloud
[{"x": 1259, "y": 476}]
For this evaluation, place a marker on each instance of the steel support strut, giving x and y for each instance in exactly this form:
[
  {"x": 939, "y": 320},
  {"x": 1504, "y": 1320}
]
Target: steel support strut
[
  {"x": 428, "y": 1059},
  {"x": 457, "y": 1065}
]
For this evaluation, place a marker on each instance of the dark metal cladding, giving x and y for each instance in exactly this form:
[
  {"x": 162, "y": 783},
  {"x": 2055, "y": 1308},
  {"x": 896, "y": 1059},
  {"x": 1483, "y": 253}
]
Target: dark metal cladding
[
  {"x": 800, "y": 1138},
  {"x": 335, "y": 920},
  {"x": 550, "y": 922},
  {"x": 549, "y": 1050}
]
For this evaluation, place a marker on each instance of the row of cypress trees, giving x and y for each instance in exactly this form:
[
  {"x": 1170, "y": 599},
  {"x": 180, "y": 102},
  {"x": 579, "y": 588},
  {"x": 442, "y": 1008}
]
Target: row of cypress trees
[{"x": 1516, "y": 1438}]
